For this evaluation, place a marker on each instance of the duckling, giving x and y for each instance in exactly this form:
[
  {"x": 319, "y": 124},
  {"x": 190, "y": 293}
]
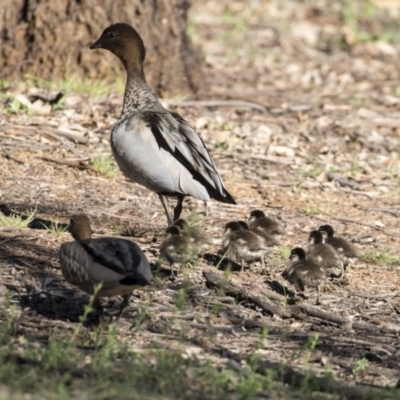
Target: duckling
[
  {"x": 118, "y": 265},
  {"x": 177, "y": 248},
  {"x": 260, "y": 222},
  {"x": 270, "y": 240},
  {"x": 342, "y": 246},
  {"x": 303, "y": 272},
  {"x": 198, "y": 236},
  {"x": 243, "y": 245},
  {"x": 153, "y": 146},
  {"x": 324, "y": 254}
]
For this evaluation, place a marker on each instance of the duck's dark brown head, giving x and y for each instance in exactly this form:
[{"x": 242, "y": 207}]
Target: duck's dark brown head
[
  {"x": 173, "y": 230},
  {"x": 326, "y": 230},
  {"x": 256, "y": 214},
  {"x": 316, "y": 237},
  {"x": 243, "y": 224},
  {"x": 232, "y": 227},
  {"x": 79, "y": 227},
  {"x": 123, "y": 41},
  {"x": 181, "y": 224},
  {"x": 297, "y": 254}
]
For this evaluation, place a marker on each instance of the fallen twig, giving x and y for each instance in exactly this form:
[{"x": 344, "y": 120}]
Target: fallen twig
[
  {"x": 385, "y": 210},
  {"x": 71, "y": 135},
  {"x": 70, "y": 163},
  {"x": 217, "y": 103},
  {"x": 10, "y": 157},
  {"x": 343, "y": 181},
  {"x": 292, "y": 311},
  {"x": 52, "y": 101},
  {"x": 375, "y": 296}
]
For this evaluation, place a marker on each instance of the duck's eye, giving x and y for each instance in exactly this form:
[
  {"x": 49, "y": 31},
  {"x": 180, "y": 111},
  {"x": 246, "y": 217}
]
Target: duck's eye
[{"x": 112, "y": 35}]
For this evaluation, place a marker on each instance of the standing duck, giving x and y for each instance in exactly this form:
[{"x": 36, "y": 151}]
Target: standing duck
[
  {"x": 258, "y": 221},
  {"x": 304, "y": 271},
  {"x": 153, "y": 146},
  {"x": 118, "y": 265},
  {"x": 177, "y": 248},
  {"x": 243, "y": 245},
  {"x": 346, "y": 249},
  {"x": 324, "y": 254}
]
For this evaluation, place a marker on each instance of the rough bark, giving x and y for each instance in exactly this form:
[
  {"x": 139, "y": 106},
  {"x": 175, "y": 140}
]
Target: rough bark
[{"x": 49, "y": 39}]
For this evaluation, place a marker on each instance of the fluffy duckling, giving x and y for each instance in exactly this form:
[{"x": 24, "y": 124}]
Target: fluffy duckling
[
  {"x": 177, "y": 248},
  {"x": 346, "y": 249},
  {"x": 243, "y": 245},
  {"x": 119, "y": 265},
  {"x": 198, "y": 236},
  {"x": 258, "y": 221},
  {"x": 270, "y": 240},
  {"x": 324, "y": 254},
  {"x": 153, "y": 146},
  {"x": 303, "y": 272}
]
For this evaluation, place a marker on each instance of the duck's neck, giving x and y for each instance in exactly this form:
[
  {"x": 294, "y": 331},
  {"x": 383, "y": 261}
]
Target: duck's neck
[
  {"x": 81, "y": 233},
  {"x": 139, "y": 96}
]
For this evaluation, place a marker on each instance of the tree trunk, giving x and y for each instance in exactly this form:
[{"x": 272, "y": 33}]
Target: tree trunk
[{"x": 50, "y": 40}]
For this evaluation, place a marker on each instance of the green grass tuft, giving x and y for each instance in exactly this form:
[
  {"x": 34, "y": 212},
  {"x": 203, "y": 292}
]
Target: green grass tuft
[
  {"x": 103, "y": 164},
  {"x": 380, "y": 258},
  {"x": 18, "y": 221},
  {"x": 55, "y": 228}
]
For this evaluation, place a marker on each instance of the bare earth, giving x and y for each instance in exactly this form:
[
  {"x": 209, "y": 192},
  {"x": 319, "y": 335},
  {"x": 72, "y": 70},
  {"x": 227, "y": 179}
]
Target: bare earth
[{"x": 316, "y": 113}]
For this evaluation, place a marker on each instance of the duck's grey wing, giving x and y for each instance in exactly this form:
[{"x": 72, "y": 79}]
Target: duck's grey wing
[
  {"x": 175, "y": 135},
  {"x": 118, "y": 257}
]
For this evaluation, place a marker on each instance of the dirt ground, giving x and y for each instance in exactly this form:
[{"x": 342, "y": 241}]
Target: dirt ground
[{"x": 306, "y": 127}]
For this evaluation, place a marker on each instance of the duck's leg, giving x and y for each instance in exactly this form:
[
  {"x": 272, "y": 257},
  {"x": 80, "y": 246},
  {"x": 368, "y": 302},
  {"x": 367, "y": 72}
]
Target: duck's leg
[
  {"x": 181, "y": 269},
  {"x": 343, "y": 267},
  {"x": 178, "y": 208},
  {"x": 207, "y": 208},
  {"x": 318, "y": 287},
  {"x": 124, "y": 304},
  {"x": 98, "y": 311},
  {"x": 97, "y": 306},
  {"x": 242, "y": 265},
  {"x": 164, "y": 203},
  {"x": 262, "y": 263},
  {"x": 342, "y": 273}
]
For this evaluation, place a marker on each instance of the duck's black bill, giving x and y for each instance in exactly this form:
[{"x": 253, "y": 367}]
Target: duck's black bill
[{"x": 96, "y": 45}]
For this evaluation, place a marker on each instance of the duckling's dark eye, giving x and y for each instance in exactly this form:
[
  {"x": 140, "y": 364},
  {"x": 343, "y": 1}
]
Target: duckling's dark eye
[{"x": 112, "y": 35}]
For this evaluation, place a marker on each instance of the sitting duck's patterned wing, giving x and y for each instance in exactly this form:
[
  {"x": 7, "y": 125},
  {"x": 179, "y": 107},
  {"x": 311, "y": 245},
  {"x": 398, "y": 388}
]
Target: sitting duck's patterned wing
[
  {"x": 120, "y": 257},
  {"x": 75, "y": 263}
]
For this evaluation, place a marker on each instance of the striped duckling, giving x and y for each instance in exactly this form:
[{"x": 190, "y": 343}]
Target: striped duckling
[
  {"x": 198, "y": 236},
  {"x": 271, "y": 241},
  {"x": 118, "y": 265},
  {"x": 243, "y": 245},
  {"x": 258, "y": 221},
  {"x": 177, "y": 248},
  {"x": 303, "y": 272},
  {"x": 324, "y": 254},
  {"x": 346, "y": 249}
]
